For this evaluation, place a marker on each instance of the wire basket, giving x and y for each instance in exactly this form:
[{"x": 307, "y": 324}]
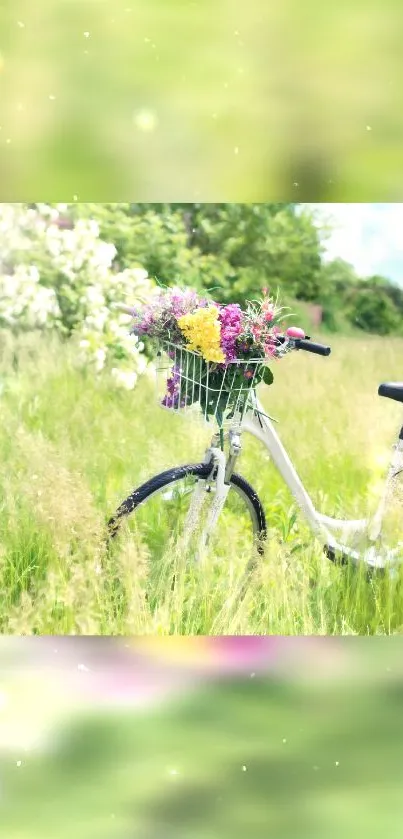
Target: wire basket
[{"x": 188, "y": 383}]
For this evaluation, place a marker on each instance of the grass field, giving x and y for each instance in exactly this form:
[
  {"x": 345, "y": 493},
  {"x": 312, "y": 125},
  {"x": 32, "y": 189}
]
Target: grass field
[{"x": 72, "y": 447}]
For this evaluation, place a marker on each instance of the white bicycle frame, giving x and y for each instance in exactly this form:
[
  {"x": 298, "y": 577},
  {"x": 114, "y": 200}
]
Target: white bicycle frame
[{"x": 325, "y": 528}]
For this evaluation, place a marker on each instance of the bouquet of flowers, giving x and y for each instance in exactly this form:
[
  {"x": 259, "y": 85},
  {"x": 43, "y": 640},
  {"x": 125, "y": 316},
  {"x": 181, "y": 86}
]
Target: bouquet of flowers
[{"x": 218, "y": 353}]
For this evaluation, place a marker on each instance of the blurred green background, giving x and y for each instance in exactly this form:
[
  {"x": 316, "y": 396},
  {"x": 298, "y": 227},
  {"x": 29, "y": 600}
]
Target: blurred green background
[
  {"x": 302, "y": 750},
  {"x": 128, "y": 99}
]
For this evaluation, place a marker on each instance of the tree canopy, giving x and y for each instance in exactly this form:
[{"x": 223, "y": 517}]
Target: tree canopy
[{"x": 234, "y": 250}]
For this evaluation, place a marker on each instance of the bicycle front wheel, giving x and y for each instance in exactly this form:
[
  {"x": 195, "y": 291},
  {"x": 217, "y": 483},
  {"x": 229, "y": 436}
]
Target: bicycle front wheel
[{"x": 161, "y": 512}]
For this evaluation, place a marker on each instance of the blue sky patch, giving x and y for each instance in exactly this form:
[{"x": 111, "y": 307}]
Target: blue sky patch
[{"x": 369, "y": 236}]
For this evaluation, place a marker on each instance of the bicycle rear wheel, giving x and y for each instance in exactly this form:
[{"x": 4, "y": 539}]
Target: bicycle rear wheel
[{"x": 157, "y": 513}]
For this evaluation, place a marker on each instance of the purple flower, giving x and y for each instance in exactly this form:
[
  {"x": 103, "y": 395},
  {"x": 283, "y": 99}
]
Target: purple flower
[
  {"x": 170, "y": 401},
  {"x": 173, "y": 381},
  {"x": 144, "y": 327},
  {"x": 231, "y": 328},
  {"x": 181, "y": 303},
  {"x": 172, "y": 396},
  {"x": 173, "y": 402}
]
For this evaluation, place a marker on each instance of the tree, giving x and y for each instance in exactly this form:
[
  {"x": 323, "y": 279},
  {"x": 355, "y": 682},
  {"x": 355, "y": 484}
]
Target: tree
[
  {"x": 232, "y": 248},
  {"x": 394, "y": 292},
  {"x": 372, "y": 310},
  {"x": 338, "y": 275}
]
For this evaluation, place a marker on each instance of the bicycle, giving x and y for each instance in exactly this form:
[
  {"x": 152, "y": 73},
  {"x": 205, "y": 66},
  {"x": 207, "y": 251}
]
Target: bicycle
[{"x": 185, "y": 490}]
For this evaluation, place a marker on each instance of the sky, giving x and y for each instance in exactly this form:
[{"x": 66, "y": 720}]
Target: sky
[{"x": 369, "y": 236}]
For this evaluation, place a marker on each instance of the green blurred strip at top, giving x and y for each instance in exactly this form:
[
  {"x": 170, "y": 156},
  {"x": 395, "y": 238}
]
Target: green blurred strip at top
[{"x": 153, "y": 101}]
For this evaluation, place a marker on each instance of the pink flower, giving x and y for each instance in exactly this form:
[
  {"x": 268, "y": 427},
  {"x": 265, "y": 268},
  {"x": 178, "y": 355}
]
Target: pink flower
[
  {"x": 269, "y": 313},
  {"x": 270, "y": 349},
  {"x": 231, "y": 328}
]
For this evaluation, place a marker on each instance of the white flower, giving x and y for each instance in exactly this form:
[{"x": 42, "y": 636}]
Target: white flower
[
  {"x": 94, "y": 295},
  {"x": 124, "y": 378},
  {"x": 140, "y": 274},
  {"x": 98, "y": 320},
  {"x": 141, "y": 363},
  {"x": 100, "y": 357},
  {"x": 76, "y": 262},
  {"x": 106, "y": 254}
]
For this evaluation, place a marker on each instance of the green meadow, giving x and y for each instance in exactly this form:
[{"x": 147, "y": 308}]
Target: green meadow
[{"x": 72, "y": 447}]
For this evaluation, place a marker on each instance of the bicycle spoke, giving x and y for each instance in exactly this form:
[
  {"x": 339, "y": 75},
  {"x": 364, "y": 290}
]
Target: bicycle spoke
[{"x": 189, "y": 519}]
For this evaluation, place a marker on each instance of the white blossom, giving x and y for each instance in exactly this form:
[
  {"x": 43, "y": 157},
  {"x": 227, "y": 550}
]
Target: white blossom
[
  {"x": 124, "y": 378},
  {"x": 43, "y": 263}
]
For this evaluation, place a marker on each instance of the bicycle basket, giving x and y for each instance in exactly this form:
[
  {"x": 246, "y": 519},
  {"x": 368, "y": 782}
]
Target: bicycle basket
[{"x": 186, "y": 382}]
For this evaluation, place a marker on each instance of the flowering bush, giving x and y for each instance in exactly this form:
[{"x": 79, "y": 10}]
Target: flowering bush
[
  {"x": 59, "y": 275},
  {"x": 24, "y": 302},
  {"x": 219, "y": 352}
]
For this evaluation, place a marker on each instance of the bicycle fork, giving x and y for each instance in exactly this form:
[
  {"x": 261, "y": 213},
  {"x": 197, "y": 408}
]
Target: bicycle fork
[{"x": 220, "y": 478}]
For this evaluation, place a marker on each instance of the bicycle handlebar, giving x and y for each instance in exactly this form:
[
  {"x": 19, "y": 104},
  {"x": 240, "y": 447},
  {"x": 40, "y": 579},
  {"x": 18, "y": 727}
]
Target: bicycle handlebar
[
  {"x": 305, "y": 344},
  {"x": 310, "y": 346}
]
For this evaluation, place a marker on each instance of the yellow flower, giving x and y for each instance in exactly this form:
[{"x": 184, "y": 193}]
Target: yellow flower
[{"x": 202, "y": 331}]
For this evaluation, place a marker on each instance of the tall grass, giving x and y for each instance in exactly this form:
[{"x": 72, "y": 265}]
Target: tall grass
[{"x": 72, "y": 447}]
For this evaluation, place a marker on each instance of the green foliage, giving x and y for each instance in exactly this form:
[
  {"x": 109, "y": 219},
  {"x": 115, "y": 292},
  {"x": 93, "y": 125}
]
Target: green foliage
[
  {"x": 233, "y": 250},
  {"x": 268, "y": 377},
  {"x": 372, "y": 308},
  {"x": 372, "y": 305}
]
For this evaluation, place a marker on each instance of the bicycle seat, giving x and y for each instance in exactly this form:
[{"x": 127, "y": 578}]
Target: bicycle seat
[{"x": 392, "y": 390}]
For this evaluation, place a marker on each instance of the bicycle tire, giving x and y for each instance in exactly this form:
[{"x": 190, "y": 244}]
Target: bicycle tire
[{"x": 200, "y": 470}]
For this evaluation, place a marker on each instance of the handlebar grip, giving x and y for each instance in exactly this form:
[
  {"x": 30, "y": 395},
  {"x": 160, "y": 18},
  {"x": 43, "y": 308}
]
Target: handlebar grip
[{"x": 310, "y": 346}]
